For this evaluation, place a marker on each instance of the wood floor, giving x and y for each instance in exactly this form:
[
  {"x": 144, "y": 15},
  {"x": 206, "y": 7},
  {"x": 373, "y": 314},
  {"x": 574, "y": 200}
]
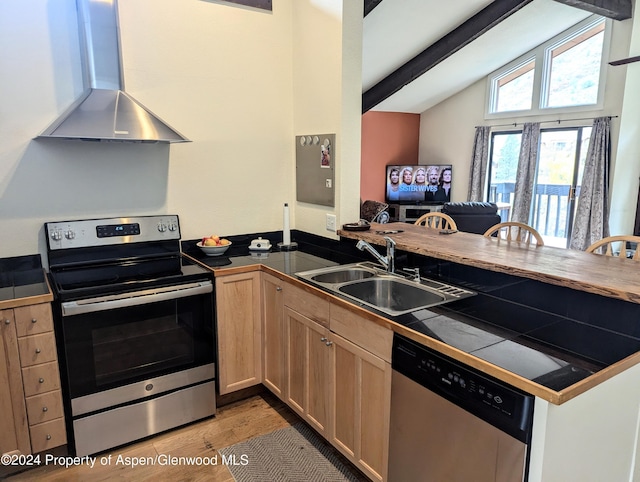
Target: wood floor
[{"x": 235, "y": 422}]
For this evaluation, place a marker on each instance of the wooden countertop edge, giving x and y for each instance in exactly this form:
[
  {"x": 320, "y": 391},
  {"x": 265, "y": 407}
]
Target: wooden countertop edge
[
  {"x": 552, "y": 396},
  {"x": 594, "y": 287}
]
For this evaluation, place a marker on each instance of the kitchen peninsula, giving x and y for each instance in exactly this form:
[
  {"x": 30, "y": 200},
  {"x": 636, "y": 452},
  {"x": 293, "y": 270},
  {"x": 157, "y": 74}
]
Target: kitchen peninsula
[
  {"x": 549, "y": 304},
  {"x": 589, "y": 431}
]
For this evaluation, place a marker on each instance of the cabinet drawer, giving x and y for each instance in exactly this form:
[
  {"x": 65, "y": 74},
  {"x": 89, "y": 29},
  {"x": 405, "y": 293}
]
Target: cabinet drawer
[
  {"x": 45, "y": 407},
  {"x": 36, "y": 349},
  {"x": 366, "y": 334},
  {"x": 48, "y": 435},
  {"x": 314, "y": 307},
  {"x": 41, "y": 378},
  {"x": 33, "y": 319}
]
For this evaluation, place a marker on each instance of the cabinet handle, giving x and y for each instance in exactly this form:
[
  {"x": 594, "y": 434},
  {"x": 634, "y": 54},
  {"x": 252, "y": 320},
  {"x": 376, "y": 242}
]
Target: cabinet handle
[
  {"x": 7, "y": 321},
  {"x": 38, "y": 350},
  {"x": 48, "y": 437},
  {"x": 41, "y": 380},
  {"x": 329, "y": 343},
  {"x": 323, "y": 339},
  {"x": 34, "y": 320},
  {"x": 279, "y": 288},
  {"x": 45, "y": 409}
]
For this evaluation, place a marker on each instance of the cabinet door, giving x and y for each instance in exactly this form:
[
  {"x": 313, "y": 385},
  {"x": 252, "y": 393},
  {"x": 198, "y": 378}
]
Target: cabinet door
[
  {"x": 361, "y": 397},
  {"x": 239, "y": 331},
  {"x": 273, "y": 334},
  {"x": 14, "y": 431},
  {"x": 308, "y": 358}
]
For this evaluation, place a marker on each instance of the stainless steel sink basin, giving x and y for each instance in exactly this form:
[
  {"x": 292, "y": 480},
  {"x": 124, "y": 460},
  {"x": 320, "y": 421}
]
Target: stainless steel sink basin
[
  {"x": 370, "y": 285},
  {"x": 343, "y": 275},
  {"x": 392, "y": 294}
]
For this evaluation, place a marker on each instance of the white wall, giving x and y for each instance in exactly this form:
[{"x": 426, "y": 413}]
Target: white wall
[
  {"x": 591, "y": 438},
  {"x": 447, "y": 129},
  {"x": 327, "y": 99},
  {"x": 625, "y": 177},
  {"x": 240, "y": 83}
]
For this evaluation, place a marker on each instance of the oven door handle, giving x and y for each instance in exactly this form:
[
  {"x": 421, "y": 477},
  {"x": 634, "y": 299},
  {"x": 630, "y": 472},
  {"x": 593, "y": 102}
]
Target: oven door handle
[{"x": 135, "y": 298}]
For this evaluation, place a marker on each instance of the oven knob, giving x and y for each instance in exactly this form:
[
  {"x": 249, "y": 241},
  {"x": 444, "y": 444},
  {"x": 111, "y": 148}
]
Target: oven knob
[
  {"x": 162, "y": 227},
  {"x": 56, "y": 235},
  {"x": 173, "y": 226},
  {"x": 69, "y": 234}
]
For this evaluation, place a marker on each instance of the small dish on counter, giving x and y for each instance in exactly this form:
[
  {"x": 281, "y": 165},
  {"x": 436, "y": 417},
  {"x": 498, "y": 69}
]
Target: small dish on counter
[
  {"x": 213, "y": 250},
  {"x": 361, "y": 225}
]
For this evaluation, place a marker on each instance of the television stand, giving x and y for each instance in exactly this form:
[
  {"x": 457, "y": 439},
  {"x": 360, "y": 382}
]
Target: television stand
[{"x": 409, "y": 213}]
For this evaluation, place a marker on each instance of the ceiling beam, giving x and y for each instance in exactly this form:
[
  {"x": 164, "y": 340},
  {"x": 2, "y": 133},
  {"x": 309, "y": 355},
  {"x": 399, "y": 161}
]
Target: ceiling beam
[
  {"x": 615, "y": 9},
  {"x": 370, "y": 5},
  {"x": 462, "y": 35}
]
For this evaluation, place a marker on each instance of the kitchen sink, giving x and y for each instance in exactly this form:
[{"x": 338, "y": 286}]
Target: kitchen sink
[
  {"x": 343, "y": 275},
  {"x": 394, "y": 294}
]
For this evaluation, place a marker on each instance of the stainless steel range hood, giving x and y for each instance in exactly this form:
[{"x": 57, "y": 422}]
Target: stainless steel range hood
[{"x": 105, "y": 112}]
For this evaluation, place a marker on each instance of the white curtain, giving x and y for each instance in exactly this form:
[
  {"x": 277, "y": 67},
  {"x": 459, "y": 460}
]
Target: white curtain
[
  {"x": 479, "y": 158},
  {"x": 526, "y": 173},
  {"x": 592, "y": 213}
]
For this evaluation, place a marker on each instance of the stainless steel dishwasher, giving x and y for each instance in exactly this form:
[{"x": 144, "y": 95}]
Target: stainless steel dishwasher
[{"x": 450, "y": 422}]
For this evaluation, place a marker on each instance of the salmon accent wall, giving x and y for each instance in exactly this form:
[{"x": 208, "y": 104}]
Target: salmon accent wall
[{"x": 387, "y": 138}]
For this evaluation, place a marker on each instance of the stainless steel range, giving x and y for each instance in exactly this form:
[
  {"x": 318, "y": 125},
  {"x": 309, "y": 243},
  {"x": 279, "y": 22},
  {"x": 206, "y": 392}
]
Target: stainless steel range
[{"x": 135, "y": 329}]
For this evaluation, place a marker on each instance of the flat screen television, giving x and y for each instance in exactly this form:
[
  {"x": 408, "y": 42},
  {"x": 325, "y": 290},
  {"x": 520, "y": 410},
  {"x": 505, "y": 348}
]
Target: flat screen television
[{"x": 418, "y": 184}]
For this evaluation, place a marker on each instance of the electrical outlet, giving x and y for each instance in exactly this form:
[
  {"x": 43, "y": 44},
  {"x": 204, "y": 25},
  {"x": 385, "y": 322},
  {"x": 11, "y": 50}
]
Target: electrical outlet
[
  {"x": 331, "y": 222},
  {"x": 327, "y": 183}
]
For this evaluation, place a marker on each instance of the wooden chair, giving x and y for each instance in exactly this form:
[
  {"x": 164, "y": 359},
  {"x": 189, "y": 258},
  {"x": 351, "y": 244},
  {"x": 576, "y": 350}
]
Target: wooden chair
[
  {"x": 616, "y": 246},
  {"x": 436, "y": 220},
  {"x": 514, "y": 231}
]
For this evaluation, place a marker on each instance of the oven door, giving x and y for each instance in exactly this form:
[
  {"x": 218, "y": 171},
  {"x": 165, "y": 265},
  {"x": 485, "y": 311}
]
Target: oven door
[{"x": 116, "y": 341}]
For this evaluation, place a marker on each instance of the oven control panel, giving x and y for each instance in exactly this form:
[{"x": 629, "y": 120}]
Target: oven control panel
[{"x": 111, "y": 231}]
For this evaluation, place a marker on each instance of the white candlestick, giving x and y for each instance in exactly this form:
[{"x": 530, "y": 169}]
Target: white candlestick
[{"x": 286, "y": 232}]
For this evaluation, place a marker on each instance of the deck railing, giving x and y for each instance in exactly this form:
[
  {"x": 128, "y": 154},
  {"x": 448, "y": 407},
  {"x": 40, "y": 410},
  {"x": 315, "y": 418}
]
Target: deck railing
[{"x": 549, "y": 207}]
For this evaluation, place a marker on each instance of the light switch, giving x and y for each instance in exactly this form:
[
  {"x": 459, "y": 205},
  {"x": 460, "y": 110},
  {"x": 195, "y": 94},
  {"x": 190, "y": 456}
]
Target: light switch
[{"x": 331, "y": 222}]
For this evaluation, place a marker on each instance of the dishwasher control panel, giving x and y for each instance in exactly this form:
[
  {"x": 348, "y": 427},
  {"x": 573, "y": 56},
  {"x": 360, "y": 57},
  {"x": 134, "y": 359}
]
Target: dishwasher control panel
[{"x": 500, "y": 404}]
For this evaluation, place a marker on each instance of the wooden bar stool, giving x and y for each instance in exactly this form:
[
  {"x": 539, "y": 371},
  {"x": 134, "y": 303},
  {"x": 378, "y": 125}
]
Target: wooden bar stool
[{"x": 517, "y": 232}]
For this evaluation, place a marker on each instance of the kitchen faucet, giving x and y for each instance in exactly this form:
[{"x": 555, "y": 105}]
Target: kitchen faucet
[{"x": 389, "y": 262}]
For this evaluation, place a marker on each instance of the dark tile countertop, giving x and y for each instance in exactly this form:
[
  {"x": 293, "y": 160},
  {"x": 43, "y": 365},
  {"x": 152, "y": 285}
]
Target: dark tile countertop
[{"x": 22, "y": 278}]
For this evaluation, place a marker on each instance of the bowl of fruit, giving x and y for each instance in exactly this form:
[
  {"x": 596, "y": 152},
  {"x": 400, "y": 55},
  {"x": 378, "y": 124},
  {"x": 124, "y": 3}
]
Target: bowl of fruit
[{"x": 214, "y": 245}]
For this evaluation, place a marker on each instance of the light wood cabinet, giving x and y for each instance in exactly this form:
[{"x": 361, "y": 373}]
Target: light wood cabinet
[
  {"x": 14, "y": 429},
  {"x": 308, "y": 369},
  {"x": 330, "y": 365},
  {"x": 29, "y": 367},
  {"x": 361, "y": 397},
  {"x": 239, "y": 332},
  {"x": 273, "y": 334},
  {"x": 337, "y": 369}
]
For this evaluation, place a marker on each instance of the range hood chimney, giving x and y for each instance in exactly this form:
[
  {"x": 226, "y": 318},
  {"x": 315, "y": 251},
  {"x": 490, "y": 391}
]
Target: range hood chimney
[{"x": 105, "y": 112}]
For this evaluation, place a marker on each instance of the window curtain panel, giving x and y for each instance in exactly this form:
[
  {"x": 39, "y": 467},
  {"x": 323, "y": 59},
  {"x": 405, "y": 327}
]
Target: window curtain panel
[
  {"x": 526, "y": 173},
  {"x": 479, "y": 159},
  {"x": 591, "y": 221}
]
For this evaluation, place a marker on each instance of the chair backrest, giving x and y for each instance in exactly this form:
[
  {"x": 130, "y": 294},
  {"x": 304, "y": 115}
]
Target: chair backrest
[
  {"x": 514, "y": 231},
  {"x": 436, "y": 220},
  {"x": 616, "y": 246}
]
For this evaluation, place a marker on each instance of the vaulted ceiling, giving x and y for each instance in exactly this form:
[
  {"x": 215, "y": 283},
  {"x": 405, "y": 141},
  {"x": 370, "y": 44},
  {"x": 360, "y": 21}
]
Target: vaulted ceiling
[{"x": 416, "y": 53}]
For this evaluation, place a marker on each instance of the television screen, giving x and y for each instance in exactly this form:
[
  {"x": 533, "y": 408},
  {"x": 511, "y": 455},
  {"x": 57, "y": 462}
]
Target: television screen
[{"x": 418, "y": 184}]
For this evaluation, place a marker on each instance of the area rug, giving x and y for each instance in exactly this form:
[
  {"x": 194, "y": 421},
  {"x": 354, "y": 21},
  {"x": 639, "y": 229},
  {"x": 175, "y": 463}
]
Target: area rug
[{"x": 292, "y": 454}]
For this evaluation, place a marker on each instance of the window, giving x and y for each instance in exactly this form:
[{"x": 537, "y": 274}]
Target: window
[
  {"x": 561, "y": 157},
  {"x": 565, "y": 73},
  {"x": 514, "y": 89}
]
